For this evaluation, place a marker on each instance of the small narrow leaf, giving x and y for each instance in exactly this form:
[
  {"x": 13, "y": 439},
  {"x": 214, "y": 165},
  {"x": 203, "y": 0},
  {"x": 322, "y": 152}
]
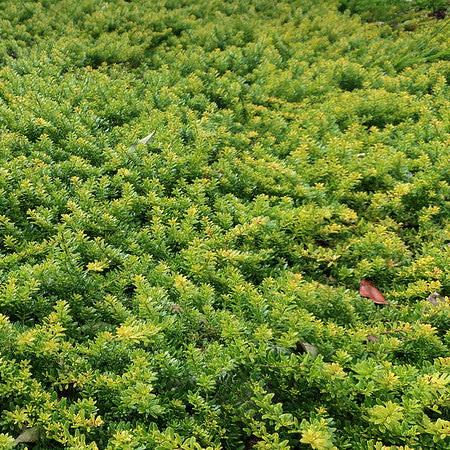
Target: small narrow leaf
[{"x": 369, "y": 290}]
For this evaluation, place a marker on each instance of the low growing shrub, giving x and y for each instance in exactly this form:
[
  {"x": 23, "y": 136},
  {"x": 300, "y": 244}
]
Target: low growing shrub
[{"x": 200, "y": 290}]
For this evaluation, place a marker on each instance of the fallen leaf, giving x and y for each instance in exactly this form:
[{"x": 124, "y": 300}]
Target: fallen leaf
[
  {"x": 368, "y": 289},
  {"x": 145, "y": 140},
  {"x": 309, "y": 348},
  {"x": 435, "y": 298},
  {"x": 439, "y": 14},
  {"x": 176, "y": 308},
  {"x": 29, "y": 435}
]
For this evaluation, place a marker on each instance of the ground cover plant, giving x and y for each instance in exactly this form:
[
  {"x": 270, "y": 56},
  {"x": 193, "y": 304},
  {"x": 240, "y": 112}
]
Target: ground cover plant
[{"x": 269, "y": 269}]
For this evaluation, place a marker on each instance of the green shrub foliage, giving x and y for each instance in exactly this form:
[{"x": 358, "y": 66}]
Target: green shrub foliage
[{"x": 200, "y": 291}]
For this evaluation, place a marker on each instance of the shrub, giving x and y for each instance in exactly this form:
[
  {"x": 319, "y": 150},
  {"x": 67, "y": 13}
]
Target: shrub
[{"x": 200, "y": 290}]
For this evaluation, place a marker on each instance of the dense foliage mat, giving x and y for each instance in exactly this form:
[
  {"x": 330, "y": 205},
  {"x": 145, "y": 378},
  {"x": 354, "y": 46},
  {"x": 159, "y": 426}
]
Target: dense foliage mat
[{"x": 201, "y": 290}]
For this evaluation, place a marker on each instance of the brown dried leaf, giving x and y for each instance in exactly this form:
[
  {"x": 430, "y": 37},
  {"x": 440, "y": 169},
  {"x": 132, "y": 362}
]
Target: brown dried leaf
[
  {"x": 177, "y": 309},
  {"x": 369, "y": 290},
  {"x": 435, "y": 298},
  {"x": 310, "y": 349},
  {"x": 29, "y": 435}
]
